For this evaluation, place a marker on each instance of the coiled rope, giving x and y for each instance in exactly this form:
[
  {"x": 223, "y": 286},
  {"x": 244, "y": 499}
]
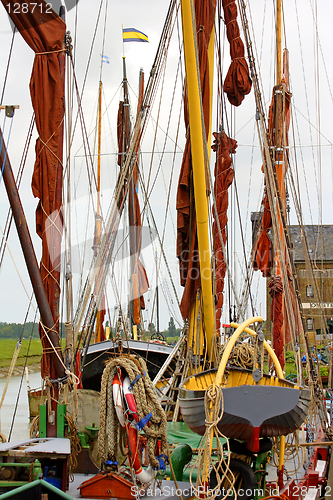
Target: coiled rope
[
  {"x": 242, "y": 355},
  {"x": 112, "y": 437}
]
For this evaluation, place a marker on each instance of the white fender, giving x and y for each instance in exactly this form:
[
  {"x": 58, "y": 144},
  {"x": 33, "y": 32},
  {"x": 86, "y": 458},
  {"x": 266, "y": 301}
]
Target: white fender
[
  {"x": 118, "y": 399},
  {"x": 146, "y": 476}
]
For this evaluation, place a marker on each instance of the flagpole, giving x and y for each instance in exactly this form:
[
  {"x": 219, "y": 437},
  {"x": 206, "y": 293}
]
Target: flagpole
[{"x": 122, "y": 37}]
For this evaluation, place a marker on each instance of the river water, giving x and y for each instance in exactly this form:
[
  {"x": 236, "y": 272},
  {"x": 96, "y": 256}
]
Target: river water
[{"x": 21, "y": 423}]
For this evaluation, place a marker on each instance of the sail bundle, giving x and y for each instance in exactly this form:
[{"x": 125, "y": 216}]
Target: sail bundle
[
  {"x": 44, "y": 32},
  {"x": 237, "y": 83},
  {"x": 139, "y": 279},
  {"x": 224, "y": 175},
  {"x": 278, "y": 125}
]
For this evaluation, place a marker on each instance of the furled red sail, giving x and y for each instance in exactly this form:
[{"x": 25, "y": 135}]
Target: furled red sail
[
  {"x": 187, "y": 247},
  {"x": 237, "y": 83},
  {"x": 224, "y": 176},
  {"x": 263, "y": 252},
  {"x": 143, "y": 283},
  {"x": 279, "y": 112},
  {"x": 139, "y": 287},
  {"x": 44, "y": 32}
]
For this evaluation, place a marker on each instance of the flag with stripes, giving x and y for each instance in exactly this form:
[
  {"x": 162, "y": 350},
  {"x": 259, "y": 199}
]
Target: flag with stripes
[
  {"x": 105, "y": 59},
  {"x": 133, "y": 35}
]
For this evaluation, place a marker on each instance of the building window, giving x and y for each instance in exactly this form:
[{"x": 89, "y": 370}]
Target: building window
[
  {"x": 309, "y": 324},
  {"x": 309, "y": 291}
]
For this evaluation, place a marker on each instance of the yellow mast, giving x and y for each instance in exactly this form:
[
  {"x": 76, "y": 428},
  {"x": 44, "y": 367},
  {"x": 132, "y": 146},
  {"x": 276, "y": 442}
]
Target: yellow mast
[{"x": 199, "y": 172}]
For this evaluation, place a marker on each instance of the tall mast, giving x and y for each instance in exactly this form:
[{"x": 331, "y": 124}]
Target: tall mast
[
  {"x": 98, "y": 222},
  {"x": 99, "y": 332},
  {"x": 280, "y": 170},
  {"x": 278, "y": 42},
  {"x": 134, "y": 307},
  {"x": 199, "y": 170}
]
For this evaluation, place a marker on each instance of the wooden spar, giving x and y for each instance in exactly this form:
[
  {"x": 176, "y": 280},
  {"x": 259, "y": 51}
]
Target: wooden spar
[
  {"x": 30, "y": 257},
  {"x": 134, "y": 311},
  {"x": 280, "y": 174},
  {"x": 278, "y": 42},
  {"x": 98, "y": 327},
  {"x": 199, "y": 177},
  {"x": 98, "y": 221}
]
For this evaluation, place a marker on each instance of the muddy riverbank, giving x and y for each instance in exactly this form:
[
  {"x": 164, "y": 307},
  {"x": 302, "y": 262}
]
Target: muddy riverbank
[{"x": 18, "y": 370}]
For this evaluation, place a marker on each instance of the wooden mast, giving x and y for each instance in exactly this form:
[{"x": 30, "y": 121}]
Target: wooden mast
[
  {"x": 99, "y": 315},
  {"x": 280, "y": 170},
  {"x": 280, "y": 176},
  {"x": 134, "y": 308}
]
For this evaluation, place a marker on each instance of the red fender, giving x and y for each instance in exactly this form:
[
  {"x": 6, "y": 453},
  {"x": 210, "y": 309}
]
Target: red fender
[
  {"x": 145, "y": 476},
  {"x": 129, "y": 396}
]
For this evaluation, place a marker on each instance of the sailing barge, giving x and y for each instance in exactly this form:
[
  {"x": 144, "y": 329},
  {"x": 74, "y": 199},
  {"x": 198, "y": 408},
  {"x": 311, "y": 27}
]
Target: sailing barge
[{"x": 203, "y": 297}]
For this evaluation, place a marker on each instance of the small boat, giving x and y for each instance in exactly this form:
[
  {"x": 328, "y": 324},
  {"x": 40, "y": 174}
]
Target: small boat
[
  {"x": 155, "y": 353},
  {"x": 272, "y": 407},
  {"x": 255, "y": 404}
]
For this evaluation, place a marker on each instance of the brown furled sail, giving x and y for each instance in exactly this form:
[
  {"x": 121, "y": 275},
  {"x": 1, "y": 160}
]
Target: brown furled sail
[
  {"x": 224, "y": 175},
  {"x": 139, "y": 279},
  {"x": 237, "y": 83},
  {"x": 187, "y": 246},
  {"x": 279, "y": 111},
  {"x": 143, "y": 283},
  {"x": 263, "y": 249},
  {"x": 44, "y": 32}
]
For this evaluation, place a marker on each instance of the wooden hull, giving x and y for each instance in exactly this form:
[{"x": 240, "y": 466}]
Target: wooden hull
[
  {"x": 273, "y": 407},
  {"x": 98, "y": 354}
]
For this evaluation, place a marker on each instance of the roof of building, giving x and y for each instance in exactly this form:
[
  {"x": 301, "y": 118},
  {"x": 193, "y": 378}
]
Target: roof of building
[{"x": 319, "y": 240}]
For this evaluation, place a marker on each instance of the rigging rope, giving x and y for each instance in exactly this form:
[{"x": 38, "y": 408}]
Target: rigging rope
[{"x": 8, "y": 63}]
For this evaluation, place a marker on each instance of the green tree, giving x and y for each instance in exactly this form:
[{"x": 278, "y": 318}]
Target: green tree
[{"x": 172, "y": 327}]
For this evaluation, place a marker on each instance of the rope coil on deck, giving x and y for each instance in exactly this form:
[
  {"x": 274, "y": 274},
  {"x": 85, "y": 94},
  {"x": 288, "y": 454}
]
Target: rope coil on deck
[
  {"x": 112, "y": 437},
  {"x": 241, "y": 355}
]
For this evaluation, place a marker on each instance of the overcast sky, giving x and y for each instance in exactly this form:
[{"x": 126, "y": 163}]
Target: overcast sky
[{"x": 312, "y": 101}]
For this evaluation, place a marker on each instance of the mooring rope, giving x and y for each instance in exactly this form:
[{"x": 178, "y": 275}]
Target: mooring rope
[{"x": 206, "y": 464}]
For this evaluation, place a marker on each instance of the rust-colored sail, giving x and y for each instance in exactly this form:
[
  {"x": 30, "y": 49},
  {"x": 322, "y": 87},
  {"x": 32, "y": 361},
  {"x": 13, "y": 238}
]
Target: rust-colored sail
[
  {"x": 224, "y": 176},
  {"x": 139, "y": 279},
  {"x": 44, "y": 32},
  {"x": 187, "y": 247},
  {"x": 143, "y": 284},
  {"x": 263, "y": 253},
  {"x": 278, "y": 123},
  {"x": 237, "y": 83}
]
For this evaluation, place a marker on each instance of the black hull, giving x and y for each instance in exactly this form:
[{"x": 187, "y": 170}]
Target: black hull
[
  {"x": 250, "y": 411},
  {"x": 98, "y": 354}
]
